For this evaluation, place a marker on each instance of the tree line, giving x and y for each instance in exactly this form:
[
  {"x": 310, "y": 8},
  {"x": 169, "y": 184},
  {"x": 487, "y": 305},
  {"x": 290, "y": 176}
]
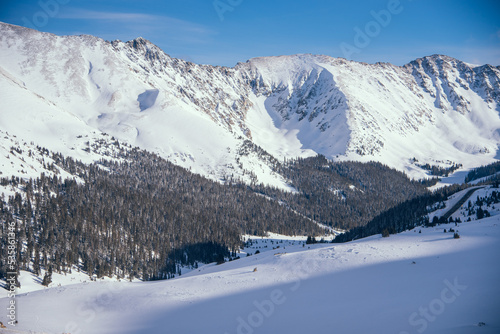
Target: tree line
[
  {"x": 139, "y": 216},
  {"x": 342, "y": 194},
  {"x": 402, "y": 217},
  {"x": 483, "y": 171}
]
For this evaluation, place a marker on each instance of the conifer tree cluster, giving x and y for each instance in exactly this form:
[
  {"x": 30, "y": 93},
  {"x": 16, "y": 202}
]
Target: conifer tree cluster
[
  {"x": 136, "y": 215},
  {"x": 141, "y": 217},
  {"x": 343, "y": 194},
  {"x": 403, "y": 216}
]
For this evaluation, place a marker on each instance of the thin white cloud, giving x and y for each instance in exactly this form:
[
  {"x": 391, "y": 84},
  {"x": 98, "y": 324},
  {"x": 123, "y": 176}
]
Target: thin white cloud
[
  {"x": 156, "y": 22},
  {"x": 81, "y": 14}
]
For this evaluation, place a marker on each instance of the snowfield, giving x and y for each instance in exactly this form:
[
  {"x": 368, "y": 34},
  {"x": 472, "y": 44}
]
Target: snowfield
[{"x": 413, "y": 282}]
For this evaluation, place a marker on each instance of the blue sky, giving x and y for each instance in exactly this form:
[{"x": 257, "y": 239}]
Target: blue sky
[{"x": 224, "y": 32}]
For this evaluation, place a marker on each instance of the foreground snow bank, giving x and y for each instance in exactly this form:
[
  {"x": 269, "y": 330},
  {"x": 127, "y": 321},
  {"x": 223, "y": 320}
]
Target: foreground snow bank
[{"x": 408, "y": 283}]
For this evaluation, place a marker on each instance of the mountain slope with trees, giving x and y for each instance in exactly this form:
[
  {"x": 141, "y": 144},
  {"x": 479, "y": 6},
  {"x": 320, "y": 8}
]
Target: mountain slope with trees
[{"x": 138, "y": 215}]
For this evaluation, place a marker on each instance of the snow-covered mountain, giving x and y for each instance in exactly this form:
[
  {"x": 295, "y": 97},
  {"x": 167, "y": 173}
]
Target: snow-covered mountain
[{"x": 62, "y": 92}]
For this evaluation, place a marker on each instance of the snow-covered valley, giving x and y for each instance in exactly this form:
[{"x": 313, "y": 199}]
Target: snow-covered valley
[{"x": 422, "y": 280}]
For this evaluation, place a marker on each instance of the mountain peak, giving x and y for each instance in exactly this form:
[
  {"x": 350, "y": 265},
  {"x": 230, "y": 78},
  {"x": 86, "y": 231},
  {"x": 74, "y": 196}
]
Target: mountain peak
[
  {"x": 141, "y": 43},
  {"x": 436, "y": 109},
  {"x": 435, "y": 58}
]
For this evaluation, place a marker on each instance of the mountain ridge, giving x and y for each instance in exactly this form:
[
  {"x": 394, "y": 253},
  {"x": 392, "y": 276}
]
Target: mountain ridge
[{"x": 436, "y": 109}]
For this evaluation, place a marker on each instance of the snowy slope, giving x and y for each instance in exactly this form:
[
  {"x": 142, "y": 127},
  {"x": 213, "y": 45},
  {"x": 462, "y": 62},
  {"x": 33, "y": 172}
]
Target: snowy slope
[
  {"x": 384, "y": 112},
  {"x": 436, "y": 109},
  {"x": 133, "y": 91},
  {"x": 407, "y": 283}
]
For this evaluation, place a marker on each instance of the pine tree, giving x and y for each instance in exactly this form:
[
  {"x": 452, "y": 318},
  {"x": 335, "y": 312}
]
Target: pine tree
[{"x": 47, "y": 278}]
